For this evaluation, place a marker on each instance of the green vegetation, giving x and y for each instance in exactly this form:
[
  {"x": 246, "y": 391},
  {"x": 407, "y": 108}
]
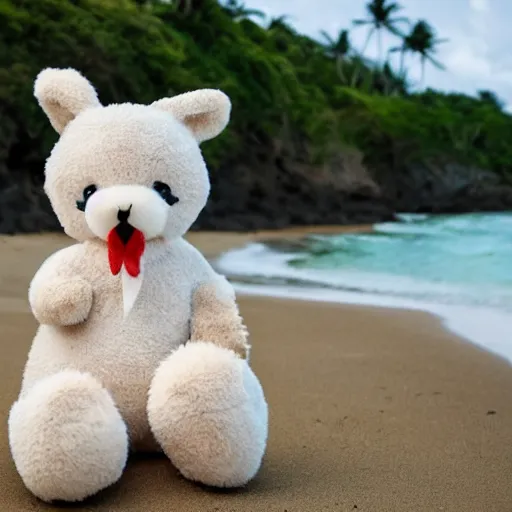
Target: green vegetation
[{"x": 290, "y": 92}]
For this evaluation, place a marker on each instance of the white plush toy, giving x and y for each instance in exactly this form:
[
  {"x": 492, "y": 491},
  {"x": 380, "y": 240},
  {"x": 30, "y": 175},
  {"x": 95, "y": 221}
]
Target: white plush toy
[{"x": 140, "y": 345}]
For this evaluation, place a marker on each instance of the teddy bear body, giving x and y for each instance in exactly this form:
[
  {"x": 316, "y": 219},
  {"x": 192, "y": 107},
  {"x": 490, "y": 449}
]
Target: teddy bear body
[
  {"x": 140, "y": 344},
  {"x": 126, "y": 364}
]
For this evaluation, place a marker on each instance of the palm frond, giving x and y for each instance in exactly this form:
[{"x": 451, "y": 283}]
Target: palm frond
[
  {"x": 390, "y": 9},
  {"x": 401, "y": 19},
  {"x": 255, "y": 12},
  {"x": 435, "y": 62},
  {"x": 327, "y": 37}
]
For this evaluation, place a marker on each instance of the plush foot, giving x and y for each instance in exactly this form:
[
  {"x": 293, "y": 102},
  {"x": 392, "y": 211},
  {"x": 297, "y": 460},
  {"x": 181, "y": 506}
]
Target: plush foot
[
  {"x": 207, "y": 410},
  {"x": 67, "y": 438}
]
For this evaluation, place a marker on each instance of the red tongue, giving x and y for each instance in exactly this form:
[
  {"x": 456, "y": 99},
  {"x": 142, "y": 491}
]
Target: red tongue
[{"x": 129, "y": 254}]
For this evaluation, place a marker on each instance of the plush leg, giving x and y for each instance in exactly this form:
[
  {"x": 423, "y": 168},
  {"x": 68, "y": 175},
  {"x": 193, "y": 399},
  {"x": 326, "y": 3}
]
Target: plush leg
[
  {"x": 67, "y": 438},
  {"x": 207, "y": 410}
]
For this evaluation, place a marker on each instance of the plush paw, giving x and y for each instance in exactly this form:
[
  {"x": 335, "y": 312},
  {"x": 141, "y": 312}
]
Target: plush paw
[
  {"x": 67, "y": 438},
  {"x": 207, "y": 410},
  {"x": 62, "y": 302}
]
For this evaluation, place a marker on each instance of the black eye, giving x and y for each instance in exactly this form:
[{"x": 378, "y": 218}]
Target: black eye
[
  {"x": 87, "y": 193},
  {"x": 165, "y": 192}
]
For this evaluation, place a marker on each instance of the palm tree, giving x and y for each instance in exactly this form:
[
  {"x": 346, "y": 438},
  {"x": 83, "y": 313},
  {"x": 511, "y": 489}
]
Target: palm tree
[
  {"x": 237, "y": 10},
  {"x": 281, "y": 23},
  {"x": 338, "y": 49},
  {"x": 282, "y": 32},
  {"x": 421, "y": 41},
  {"x": 381, "y": 16},
  {"x": 491, "y": 98},
  {"x": 388, "y": 83}
]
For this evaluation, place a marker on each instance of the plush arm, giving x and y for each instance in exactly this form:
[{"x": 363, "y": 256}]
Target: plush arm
[
  {"x": 57, "y": 295},
  {"x": 215, "y": 317}
]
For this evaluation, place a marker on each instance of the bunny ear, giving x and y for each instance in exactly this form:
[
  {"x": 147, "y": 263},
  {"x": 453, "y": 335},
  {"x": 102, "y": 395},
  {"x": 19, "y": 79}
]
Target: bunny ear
[
  {"x": 204, "y": 112},
  {"x": 63, "y": 94}
]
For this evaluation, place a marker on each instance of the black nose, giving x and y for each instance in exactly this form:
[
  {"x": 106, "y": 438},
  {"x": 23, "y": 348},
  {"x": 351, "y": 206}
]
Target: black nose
[{"x": 122, "y": 215}]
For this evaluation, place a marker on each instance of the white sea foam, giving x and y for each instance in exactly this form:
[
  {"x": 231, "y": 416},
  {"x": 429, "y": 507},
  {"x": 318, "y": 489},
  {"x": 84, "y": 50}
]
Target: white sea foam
[
  {"x": 487, "y": 328},
  {"x": 453, "y": 267}
]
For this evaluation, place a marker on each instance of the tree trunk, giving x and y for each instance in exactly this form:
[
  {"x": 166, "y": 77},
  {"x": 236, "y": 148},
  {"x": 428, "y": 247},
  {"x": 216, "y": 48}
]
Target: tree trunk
[
  {"x": 379, "y": 45},
  {"x": 368, "y": 37},
  {"x": 355, "y": 76},
  {"x": 402, "y": 61},
  {"x": 339, "y": 67}
]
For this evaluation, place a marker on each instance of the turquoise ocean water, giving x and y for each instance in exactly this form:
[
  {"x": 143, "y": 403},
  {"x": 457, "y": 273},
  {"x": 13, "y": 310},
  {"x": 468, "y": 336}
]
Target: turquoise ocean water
[{"x": 456, "y": 266}]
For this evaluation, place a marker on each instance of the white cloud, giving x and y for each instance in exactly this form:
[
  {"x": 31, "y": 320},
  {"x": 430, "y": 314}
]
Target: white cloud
[
  {"x": 467, "y": 55},
  {"x": 479, "y": 5},
  {"x": 462, "y": 60}
]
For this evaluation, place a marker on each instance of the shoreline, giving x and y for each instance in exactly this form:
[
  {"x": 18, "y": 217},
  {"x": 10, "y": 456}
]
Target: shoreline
[
  {"x": 484, "y": 326},
  {"x": 470, "y": 323}
]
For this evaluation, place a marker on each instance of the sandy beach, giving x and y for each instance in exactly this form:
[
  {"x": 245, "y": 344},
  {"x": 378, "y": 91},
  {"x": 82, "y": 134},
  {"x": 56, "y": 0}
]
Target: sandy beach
[{"x": 370, "y": 409}]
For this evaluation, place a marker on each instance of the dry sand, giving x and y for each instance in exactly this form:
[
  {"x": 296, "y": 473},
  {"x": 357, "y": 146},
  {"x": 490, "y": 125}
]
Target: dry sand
[{"x": 370, "y": 410}]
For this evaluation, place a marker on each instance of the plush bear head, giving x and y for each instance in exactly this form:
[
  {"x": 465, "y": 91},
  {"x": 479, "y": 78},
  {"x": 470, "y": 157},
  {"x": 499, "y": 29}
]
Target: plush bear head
[{"x": 138, "y": 165}]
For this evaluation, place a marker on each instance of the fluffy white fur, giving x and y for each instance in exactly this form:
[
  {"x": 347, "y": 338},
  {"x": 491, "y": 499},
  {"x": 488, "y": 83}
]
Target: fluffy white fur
[
  {"x": 84, "y": 395},
  {"x": 196, "y": 109},
  {"x": 67, "y": 437},
  {"x": 148, "y": 212},
  {"x": 219, "y": 437},
  {"x": 63, "y": 94}
]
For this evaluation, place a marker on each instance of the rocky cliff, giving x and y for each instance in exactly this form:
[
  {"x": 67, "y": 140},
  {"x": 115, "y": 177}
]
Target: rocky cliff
[
  {"x": 280, "y": 192},
  {"x": 272, "y": 191}
]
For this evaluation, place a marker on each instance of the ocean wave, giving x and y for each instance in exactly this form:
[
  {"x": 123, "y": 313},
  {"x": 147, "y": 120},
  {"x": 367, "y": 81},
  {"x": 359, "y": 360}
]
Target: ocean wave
[
  {"x": 259, "y": 264},
  {"x": 445, "y": 261}
]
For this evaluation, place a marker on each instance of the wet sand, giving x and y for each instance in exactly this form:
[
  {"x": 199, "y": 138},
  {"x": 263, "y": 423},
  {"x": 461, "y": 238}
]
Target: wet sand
[{"x": 370, "y": 409}]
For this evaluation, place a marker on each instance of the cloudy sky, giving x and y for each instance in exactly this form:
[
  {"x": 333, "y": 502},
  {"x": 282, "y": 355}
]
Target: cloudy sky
[{"x": 477, "y": 56}]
